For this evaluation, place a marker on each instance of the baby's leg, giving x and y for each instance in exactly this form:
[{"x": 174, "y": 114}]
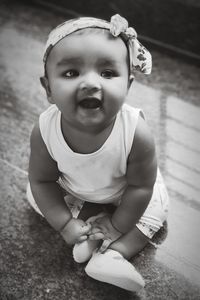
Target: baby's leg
[
  {"x": 113, "y": 266},
  {"x": 151, "y": 221}
]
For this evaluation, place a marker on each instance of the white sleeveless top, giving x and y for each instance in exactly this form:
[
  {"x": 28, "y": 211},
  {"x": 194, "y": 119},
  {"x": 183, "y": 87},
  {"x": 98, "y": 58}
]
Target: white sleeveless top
[{"x": 95, "y": 177}]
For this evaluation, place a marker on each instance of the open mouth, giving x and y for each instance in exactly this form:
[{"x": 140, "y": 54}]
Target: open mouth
[{"x": 90, "y": 103}]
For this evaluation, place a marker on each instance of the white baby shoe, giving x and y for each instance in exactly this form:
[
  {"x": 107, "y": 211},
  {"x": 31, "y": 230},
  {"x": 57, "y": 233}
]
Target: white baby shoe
[{"x": 111, "y": 267}]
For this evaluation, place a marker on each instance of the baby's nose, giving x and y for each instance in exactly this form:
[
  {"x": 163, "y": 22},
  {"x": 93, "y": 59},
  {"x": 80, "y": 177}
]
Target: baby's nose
[{"x": 90, "y": 83}]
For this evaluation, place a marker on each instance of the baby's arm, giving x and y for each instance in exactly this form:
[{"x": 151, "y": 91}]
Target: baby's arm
[
  {"x": 141, "y": 176},
  {"x": 43, "y": 176}
]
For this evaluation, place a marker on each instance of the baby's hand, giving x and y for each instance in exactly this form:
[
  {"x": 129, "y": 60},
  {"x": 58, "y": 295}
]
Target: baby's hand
[
  {"x": 75, "y": 231},
  {"x": 104, "y": 225},
  {"x": 95, "y": 232}
]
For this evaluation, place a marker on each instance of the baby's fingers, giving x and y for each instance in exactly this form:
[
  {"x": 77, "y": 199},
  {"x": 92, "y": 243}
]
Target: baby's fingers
[
  {"x": 95, "y": 230},
  {"x": 96, "y": 236},
  {"x": 82, "y": 238}
]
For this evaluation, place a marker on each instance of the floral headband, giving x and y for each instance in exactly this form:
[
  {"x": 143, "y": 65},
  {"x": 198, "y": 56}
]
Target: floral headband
[{"x": 139, "y": 56}]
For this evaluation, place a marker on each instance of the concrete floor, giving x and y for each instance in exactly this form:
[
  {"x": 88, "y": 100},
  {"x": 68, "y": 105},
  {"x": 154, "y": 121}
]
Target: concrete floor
[{"x": 35, "y": 263}]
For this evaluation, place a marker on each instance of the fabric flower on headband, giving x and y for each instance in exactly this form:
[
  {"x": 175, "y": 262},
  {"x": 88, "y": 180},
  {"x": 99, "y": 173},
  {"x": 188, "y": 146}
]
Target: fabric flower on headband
[{"x": 139, "y": 56}]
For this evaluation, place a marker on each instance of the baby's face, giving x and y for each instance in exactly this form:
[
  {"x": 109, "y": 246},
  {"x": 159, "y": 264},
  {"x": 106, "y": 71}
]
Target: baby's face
[{"x": 88, "y": 78}]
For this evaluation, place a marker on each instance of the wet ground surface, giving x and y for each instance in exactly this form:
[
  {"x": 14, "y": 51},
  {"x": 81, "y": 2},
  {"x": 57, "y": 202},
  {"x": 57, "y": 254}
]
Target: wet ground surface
[{"x": 35, "y": 263}]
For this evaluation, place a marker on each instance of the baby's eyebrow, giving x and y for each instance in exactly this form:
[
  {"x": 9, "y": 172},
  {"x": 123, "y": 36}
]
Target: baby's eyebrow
[
  {"x": 107, "y": 61},
  {"x": 70, "y": 60}
]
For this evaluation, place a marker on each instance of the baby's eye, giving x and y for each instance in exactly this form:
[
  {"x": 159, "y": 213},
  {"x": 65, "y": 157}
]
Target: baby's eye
[
  {"x": 108, "y": 74},
  {"x": 71, "y": 73}
]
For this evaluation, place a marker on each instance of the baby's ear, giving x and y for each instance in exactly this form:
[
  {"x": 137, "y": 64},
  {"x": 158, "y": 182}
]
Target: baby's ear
[{"x": 45, "y": 84}]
